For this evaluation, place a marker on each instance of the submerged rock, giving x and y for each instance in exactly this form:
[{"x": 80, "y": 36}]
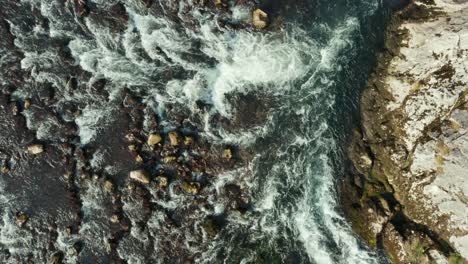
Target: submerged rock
[{"x": 21, "y": 219}]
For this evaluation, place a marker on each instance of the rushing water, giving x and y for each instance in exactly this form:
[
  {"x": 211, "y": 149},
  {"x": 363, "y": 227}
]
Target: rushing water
[{"x": 312, "y": 68}]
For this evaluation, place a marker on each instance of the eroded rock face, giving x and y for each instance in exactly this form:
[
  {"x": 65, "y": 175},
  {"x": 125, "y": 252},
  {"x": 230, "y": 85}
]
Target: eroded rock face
[{"x": 412, "y": 157}]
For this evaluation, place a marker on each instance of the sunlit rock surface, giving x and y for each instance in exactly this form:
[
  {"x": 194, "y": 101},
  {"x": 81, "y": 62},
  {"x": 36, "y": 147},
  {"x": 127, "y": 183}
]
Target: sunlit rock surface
[{"x": 415, "y": 123}]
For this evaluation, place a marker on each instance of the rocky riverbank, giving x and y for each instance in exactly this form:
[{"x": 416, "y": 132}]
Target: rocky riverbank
[{"x": 408, "y": 192}]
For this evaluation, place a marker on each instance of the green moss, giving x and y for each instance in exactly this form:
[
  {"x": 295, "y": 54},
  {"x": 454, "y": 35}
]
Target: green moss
[
  {"x": 417, "y": 252},
  {"x": 456, "y": 258}
]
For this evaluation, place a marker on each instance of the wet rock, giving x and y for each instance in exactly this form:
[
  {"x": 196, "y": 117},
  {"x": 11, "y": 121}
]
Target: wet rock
[
  {"x": 191, "y": 188},
  {"x": 27, "y": 104},
  {"x": 115, "y": 219},
  {"x": 21, "y": 219},
  {"x": 169, "y": 159},
  {"x": 108, "y": 186},
  {"x": 139, "y": 159},
  {"x": 259, "y": 19},
  {"x": 35, "y": 149},
  {"x": 174, "y": 138},
  {"x": 210, "y": 227},
  {"x": 163, "y": 182},
  {"x": 154, "y": 139},
  {"x": 188, "y": 141},
  {"x": 83, "y": 9},
  {"x": 4, "y": 169},
  {"x": 141, "y": 176},
  {"x": 227, "y": 154}
]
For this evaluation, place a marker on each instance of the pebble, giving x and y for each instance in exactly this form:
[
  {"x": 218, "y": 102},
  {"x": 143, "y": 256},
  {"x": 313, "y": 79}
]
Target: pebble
[
  {"x": 108, "y": 186},
  {"x": 163, "y": 182},
  {"x": 259, "y": 18},
  {"x": 21, "y": 219}
]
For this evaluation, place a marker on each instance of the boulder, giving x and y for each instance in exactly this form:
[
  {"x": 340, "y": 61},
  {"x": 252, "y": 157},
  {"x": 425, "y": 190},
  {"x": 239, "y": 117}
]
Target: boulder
[
  {"x": 21, "y": 219},
  {"x": 35, "y": 149},
  {"x": 259, "y": 18},
  {"x": 154, "y": 139},
  {"x": 141, "y": 176}
]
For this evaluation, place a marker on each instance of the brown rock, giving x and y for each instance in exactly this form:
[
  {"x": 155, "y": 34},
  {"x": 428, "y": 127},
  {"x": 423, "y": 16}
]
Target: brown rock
[
  {"x": 138, "y": 159},
  {"x": 191, "y": 188},
  {"x": 114, "y": 218},
  {"x": 227, "y": 154},
  {"x": 35, "y": 149},
  {"x": 154, "y": 139},
  {"x": 169, "y": 159},
  {"x": 259, "y": 18},
  {"x": 27, "y": 104},
  {"x": 5, "y": 169},
  {"x": 163, "y": 182},
  {"x": 141, "y": 176},
  {"x": 173, "y": 138},
  {"x": 108, "y": 186},
  {"x": 188, "y": 141},
  {"x": 132, "y": 148}
]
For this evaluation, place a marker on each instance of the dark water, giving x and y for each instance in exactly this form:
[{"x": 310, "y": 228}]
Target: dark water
[{"x": 306, "y": 73}]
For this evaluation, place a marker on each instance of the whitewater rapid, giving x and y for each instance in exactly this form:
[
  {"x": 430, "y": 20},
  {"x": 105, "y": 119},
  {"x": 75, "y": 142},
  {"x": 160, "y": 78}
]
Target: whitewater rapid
[{"x": 311, "y": 67}]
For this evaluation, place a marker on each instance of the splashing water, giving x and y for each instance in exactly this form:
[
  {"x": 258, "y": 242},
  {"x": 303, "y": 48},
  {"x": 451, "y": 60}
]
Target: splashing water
[{"x": 312, "y": 67}]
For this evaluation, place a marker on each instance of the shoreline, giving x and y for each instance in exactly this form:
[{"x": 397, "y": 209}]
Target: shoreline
[{"x": 382, "y": 195}]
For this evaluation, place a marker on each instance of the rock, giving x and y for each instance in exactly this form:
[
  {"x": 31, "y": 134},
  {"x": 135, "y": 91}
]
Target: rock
[
  {"x": 132, "y": 148},
  {"x": 169, "y": 159},
  {"x": 83, "y": 9},
  {"x": 27, "y": 104},
  {"x": 56, "y": 258},
  {"x": 35, "y": 149},
  {"x": 191, "y": 188},
  {"x": 141, "y": 176},
  {"x": 259, "y": 19},
  {"x": 108, "y": 186},
  {"x": 68, "y": 231},
  {"x": 114, "y": 219},
  {"x": 163, "y": 182},
  {"x": 227, "y": 153},
  {"x": 138, "y": 159},
  {"x": 188, "y": 141},
  {"x": 173, "y": 138},
  {"x": 21, "y": 219},
  {"x": 154, "y": 139},
  {"x": 5, "y": 169}
]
